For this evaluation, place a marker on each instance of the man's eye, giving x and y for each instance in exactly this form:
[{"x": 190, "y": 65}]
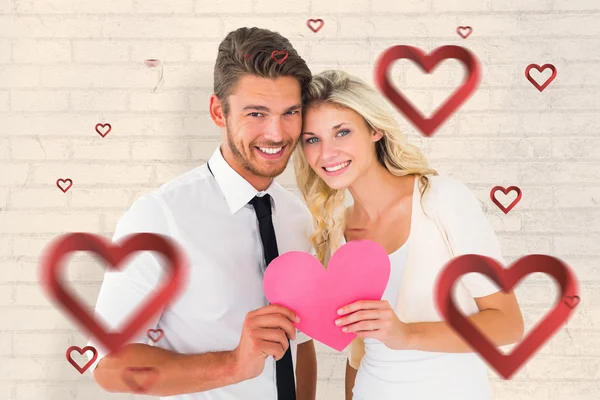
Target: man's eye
[
  {"x": 293, "y": 112},
  {"x": 255, "y": 114}
]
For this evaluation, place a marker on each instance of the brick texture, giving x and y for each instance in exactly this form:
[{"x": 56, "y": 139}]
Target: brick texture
[{"x": 67, "y": 65}]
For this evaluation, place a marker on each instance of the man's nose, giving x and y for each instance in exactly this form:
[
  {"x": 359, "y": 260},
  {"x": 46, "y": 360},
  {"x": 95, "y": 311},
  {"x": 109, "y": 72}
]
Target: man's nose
[{"x": 274, "y": 131}]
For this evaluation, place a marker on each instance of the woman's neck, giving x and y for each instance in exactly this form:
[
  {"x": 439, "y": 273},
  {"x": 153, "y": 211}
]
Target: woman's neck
[{"x": 375, "y": 191}]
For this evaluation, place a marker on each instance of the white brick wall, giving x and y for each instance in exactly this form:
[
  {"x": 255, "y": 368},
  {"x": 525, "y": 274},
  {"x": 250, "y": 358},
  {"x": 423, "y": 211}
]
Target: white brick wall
[{"x": 67, "y": 65}]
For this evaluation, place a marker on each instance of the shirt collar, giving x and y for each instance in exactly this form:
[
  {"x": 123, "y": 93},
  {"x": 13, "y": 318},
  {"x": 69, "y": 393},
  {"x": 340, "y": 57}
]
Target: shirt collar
[{"x": 236, "y": 189}]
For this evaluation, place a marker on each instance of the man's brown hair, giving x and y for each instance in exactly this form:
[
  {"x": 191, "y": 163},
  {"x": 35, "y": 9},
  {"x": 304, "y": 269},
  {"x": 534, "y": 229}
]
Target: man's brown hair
[{"x": 248, "y": 51}]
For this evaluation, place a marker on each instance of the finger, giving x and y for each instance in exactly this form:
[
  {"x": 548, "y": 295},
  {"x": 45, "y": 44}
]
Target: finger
[
  {"x": 358, "y": 316},
  {"x": 361, "y": 305},
  {"x": 271, "y": 335},
  {"x": 272, "y": 349},
  {"x": 363, "y": 326},
  {"x": 274, "y": 321},
  {"x": 277, "y": 309}
]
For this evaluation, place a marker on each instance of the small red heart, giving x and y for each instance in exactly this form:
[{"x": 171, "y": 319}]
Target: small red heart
[
  {"x": 505, "y": 191},
  {"x": 462, "y": 29},
  {"x": 140, "y": 379},
  {"x": 155, "y": 334},
  {"x": 81, "y": 351},
  {"x": 103, "y": 126},
  {"x": 505, "y": 365},
  {"x": 59, "y": 182},
  {"x": 152, "y": 62},
  {"x": 114, "y": 254},
  {"x": 312, "y": 22},
  {"x": 427, "y": 63},
  {"x": 276, "y": 53},
  {"x": 540, "y": 70},
  {"x": 572, "y": 301}
]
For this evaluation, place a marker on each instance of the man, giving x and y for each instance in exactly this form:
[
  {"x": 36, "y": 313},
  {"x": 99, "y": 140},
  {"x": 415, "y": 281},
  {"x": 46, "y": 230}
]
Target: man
[{"x": 222, "y": 341}]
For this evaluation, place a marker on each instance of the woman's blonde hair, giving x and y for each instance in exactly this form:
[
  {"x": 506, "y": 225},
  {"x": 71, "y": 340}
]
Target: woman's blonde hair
[{"x": 393, "y": 151}]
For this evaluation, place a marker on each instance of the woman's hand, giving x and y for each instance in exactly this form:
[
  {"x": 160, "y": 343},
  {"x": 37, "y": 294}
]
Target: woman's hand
[{"x": 375, "y": 319}]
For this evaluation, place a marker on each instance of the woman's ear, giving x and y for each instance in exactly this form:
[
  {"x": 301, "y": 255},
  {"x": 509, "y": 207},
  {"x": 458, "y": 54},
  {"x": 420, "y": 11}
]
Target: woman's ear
[{"x": 377, "y": 135}]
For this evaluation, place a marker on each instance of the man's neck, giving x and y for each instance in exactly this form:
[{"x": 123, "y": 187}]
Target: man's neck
[{"x": 259, "y": 183}]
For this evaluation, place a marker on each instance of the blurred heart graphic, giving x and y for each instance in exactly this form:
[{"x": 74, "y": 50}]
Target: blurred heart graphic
[
  {"x": 427, "y": 63},
  {"x": 506, "y": 279}
]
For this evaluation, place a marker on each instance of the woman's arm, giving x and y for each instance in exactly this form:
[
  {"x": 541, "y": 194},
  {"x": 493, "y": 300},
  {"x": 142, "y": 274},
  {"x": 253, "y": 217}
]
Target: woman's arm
[{"x": 499, "y": 319}]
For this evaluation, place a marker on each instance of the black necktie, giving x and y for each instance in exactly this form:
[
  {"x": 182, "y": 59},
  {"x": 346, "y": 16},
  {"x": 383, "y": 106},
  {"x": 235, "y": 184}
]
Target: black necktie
[{"x": 286, "y": 386}]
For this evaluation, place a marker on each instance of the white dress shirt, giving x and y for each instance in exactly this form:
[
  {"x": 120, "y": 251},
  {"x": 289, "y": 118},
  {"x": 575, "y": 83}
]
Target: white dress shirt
[{"x": 211, "y": 220}]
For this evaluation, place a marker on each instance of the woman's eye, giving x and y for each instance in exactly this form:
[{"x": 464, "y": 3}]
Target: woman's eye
[
  {"x": 344, "y": 130},
  {"x": 309, "y": 140}
]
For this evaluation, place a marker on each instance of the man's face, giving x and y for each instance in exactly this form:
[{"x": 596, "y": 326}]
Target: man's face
[{"x": 264, "y": 122}]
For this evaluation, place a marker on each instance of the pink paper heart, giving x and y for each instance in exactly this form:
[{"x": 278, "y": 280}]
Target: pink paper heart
[{"x": 359, "y": 270}]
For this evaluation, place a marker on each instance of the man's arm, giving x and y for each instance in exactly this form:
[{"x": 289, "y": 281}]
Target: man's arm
[
  {"x": 350, "y": 379},
  {"x": 306, "y": 371},
  {"x": 177, "y": 373}
]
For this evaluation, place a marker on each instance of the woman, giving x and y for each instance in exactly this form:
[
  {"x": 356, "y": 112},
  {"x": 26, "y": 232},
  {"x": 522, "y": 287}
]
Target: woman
[{"x": 403, "y": 349}]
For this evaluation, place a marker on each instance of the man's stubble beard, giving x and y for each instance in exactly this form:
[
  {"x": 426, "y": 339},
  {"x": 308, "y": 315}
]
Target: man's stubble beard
[{"x": 244, "y": 161}]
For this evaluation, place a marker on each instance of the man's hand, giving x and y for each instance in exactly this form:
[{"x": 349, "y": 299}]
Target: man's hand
[{"x": 265, "y": 333}]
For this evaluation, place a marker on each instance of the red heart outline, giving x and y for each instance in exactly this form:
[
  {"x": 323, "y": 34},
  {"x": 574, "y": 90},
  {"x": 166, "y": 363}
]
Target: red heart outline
[
  {"x": 461, "y": 28},
  {"x": 427, "y": 63},
  {"x": 540, "y": 69},
  {"x": 572, "y": 301},
  {"x": 103, "y": 126},
  {"x": 59, "y": 181},
  {"x": 311, "y": 21},
  {"x": 505, "y": 191},
  {"x": 505, "y": 365},
  {"x": 150, "y": 333},
  {"x": 82, "y": 351},
  {"x": 151, "y": 63},
  {"x": 129, "y": 373},
  {"x": 277, "y": 52},
  {"x": 114, "y": 254}
]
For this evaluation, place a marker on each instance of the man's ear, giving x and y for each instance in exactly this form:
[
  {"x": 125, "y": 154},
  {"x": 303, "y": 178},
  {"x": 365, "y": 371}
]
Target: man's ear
[{"x": 216, "y": 111}]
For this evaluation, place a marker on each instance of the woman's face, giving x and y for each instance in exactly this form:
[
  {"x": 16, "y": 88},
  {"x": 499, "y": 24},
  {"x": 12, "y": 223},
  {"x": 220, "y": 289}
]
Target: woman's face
[{"x": 337, "y": 143}]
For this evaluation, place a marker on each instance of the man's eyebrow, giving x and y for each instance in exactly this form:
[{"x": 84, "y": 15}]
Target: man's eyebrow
[{"x": 267, "y": 109}]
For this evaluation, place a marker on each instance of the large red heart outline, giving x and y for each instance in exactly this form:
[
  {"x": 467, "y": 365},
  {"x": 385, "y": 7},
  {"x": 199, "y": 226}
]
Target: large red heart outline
[
  {"x": 115, "y": 254},
  {"x": 427, "y": 63},
  {"x": 359, "y": 270},
  {"x": 506, "y": 365}
]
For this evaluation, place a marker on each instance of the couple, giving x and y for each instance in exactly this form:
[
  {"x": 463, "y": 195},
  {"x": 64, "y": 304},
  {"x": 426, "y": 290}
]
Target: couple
[{"x": 222, "y": 340}]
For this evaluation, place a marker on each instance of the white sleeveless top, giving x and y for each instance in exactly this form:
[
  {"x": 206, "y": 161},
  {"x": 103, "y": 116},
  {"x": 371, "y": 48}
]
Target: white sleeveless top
[{"x": 386, "y": 374}]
